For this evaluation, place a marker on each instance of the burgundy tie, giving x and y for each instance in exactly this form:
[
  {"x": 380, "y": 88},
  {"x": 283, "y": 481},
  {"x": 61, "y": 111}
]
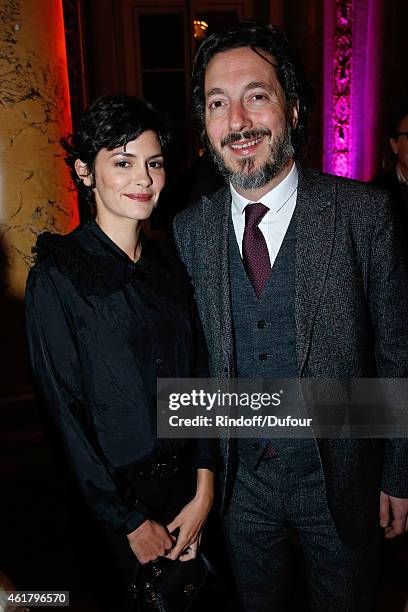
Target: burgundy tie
[
  {"x": 254, "y": 250},
  {"x": 257, "y": 265}
]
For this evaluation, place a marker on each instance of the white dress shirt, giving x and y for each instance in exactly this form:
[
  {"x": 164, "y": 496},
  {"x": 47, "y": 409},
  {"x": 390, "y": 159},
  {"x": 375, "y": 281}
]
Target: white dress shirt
[{"x": 281, "y": 201}]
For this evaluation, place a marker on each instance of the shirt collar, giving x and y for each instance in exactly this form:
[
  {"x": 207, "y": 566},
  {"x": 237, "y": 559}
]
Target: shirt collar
[
  {"x": 275, "y": 199},
  {"x": 108, "y": 245}
]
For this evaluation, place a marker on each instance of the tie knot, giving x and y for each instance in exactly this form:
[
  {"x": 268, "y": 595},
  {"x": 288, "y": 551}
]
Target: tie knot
[{"x": 254, "y": 213}]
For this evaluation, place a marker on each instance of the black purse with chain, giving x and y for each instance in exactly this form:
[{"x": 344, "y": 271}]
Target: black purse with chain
[{"x": 168, "y": 586}]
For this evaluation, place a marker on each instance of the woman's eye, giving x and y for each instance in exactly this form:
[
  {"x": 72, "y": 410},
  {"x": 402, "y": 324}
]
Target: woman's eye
[
  {"x": 122, "y": 163},
  {"x": 156, "y": 165}
]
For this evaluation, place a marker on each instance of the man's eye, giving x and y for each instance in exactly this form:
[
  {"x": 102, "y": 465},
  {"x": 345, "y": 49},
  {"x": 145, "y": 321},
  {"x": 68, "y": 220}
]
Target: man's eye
[
  {"x": 258, "y": 98},
  {"x": 216, "y": 104}
]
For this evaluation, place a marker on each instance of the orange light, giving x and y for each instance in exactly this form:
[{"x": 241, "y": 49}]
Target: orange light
[
  {"x": 65, "y": 116},
  {"x": 200, "y": 29}
]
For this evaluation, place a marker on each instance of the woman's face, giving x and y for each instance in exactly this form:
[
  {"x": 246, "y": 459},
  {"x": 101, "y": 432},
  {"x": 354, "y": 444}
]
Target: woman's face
[{"x": 129, "y": 179}]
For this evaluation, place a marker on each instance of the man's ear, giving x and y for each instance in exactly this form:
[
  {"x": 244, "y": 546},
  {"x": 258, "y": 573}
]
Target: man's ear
[
  {"x": 394, "y": 145},
  {"x": 83, "y": 173},
  {"x": 295, "y": 114}
]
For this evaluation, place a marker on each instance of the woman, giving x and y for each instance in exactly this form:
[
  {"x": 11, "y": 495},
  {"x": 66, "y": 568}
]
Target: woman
[{"x": 108, "y": 311}]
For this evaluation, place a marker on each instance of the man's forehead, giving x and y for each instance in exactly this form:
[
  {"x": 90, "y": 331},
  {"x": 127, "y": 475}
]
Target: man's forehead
[
  {"x": 247, "y": 50},
  {"x": 267, "y": 57},
  {"x": 260, "y": 64}
]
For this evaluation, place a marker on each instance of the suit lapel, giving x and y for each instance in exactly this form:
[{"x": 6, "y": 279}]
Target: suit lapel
[
  {"x": 215, "y": 215},
  {"x": 216, "y": 228},
  {"x": 315, "y": 224}
]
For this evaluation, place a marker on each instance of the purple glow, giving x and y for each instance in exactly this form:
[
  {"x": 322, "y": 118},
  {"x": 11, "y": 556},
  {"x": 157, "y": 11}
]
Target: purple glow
[
  {"x": 337, "y": 86},
  {"x": 352, "y": 44},
  {"x": 366, "y": 86}
]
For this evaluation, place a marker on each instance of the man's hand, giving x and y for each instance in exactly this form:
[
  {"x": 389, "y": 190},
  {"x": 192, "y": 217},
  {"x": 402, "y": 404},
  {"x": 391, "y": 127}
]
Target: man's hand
[
  {"x": 393, "y": 515},
  {"x": 150, "y": 541}
]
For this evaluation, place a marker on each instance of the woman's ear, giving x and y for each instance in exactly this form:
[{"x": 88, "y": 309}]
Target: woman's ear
[
  {"x": 394, "y": 145},
  {"x": 83, "y": 173}
]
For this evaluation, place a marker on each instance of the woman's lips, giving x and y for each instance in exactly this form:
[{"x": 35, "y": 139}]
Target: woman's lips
[{"x": 139, "y": 197}]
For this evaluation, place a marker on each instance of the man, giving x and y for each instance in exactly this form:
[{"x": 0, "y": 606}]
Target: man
[
  {"x": 396, "y": 180},
  {"x": 296, "y": 275}
]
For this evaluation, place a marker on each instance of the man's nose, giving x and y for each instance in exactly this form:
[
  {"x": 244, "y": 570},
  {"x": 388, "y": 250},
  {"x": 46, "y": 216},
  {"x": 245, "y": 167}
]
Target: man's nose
[{"x": 239, "y": 118}]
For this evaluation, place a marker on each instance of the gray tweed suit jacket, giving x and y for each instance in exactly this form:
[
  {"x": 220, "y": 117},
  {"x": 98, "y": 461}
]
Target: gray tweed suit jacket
[{"x": 351, "y": 311}]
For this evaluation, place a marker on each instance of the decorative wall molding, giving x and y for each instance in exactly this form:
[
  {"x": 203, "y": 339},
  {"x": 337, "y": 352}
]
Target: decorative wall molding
[
  {"x": 337, "y": 86},
  {"x": 352, "y": 75}
]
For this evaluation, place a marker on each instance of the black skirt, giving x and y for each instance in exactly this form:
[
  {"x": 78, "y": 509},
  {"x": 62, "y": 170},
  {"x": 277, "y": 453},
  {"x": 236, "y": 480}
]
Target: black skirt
[{"x": 164, "y": 496}]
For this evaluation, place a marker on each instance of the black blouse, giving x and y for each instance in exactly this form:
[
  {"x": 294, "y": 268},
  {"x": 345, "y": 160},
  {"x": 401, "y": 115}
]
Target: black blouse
[{"x": 101, "y": 330}]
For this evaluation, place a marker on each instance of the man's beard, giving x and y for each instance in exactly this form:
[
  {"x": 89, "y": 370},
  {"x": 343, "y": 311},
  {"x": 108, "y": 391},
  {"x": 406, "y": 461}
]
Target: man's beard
[{"x": 248, "y": 177}]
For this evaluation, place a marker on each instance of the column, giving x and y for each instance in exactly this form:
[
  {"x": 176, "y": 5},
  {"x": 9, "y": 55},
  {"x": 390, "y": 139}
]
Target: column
[{"x": 35, "y": 190}]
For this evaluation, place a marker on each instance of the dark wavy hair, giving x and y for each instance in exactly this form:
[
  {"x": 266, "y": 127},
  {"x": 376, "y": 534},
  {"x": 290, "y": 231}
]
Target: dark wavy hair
[
  {"x": 288, "y": 69},
  {"x": 110, "y": 122},
  {"x": 398, "y": 113}
]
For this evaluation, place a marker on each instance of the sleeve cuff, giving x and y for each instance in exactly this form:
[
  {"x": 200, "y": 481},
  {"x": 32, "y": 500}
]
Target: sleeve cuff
[
  {"x": 395, "y": 471},
  {"x": 135, "y": 518}
]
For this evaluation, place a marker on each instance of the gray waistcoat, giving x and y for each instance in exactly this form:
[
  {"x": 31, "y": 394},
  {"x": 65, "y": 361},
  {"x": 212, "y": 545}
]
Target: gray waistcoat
[{"x": 265, "y": 339}]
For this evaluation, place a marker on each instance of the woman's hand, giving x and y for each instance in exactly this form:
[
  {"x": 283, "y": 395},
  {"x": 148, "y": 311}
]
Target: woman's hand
[
  {"x": 191, "y": 519},
  {"x": 150, "y": 541}
]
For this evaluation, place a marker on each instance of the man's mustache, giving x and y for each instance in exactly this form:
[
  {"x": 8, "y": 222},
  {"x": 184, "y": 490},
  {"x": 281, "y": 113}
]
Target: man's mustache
[{"x": 247, "y": 135}]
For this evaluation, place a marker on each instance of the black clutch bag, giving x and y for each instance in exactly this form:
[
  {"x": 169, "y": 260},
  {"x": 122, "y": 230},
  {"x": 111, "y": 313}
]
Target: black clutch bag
[{"x": 168, "y": 586}]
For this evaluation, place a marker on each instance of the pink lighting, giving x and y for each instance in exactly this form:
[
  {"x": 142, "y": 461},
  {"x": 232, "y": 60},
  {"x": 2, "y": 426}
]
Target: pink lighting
[
  {"x": 352, "y": 45},
  {"x": 337, "y": 86}
]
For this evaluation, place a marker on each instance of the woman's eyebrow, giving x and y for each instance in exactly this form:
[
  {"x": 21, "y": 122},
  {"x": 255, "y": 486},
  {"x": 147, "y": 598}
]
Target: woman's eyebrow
[{"x": 123, "y": 153}]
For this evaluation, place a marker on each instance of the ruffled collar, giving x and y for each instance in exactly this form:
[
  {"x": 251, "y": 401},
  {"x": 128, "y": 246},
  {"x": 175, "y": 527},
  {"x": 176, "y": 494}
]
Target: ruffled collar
[{"x": 97, "y": 266}]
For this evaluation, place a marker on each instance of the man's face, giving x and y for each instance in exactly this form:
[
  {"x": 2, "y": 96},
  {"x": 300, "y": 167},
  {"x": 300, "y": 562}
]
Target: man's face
[
  {"x": 246, "y": 119},
  {"x": 400, "y": 147}
]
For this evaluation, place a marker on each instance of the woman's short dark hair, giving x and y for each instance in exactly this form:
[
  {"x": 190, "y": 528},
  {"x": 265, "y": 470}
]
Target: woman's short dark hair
[
  {"x": 288, "y": 68},
  {"x": 399, "y": 112},
  {"x": 110, "y": 122}
]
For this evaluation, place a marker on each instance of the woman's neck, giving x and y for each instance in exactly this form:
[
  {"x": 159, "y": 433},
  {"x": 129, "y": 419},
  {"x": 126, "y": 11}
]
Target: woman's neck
[{"x": 125, "y": 233}]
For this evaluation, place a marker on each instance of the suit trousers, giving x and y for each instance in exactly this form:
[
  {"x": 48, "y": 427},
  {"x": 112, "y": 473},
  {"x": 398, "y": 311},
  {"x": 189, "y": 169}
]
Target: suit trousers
[{"x": 271, "y": 505}]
